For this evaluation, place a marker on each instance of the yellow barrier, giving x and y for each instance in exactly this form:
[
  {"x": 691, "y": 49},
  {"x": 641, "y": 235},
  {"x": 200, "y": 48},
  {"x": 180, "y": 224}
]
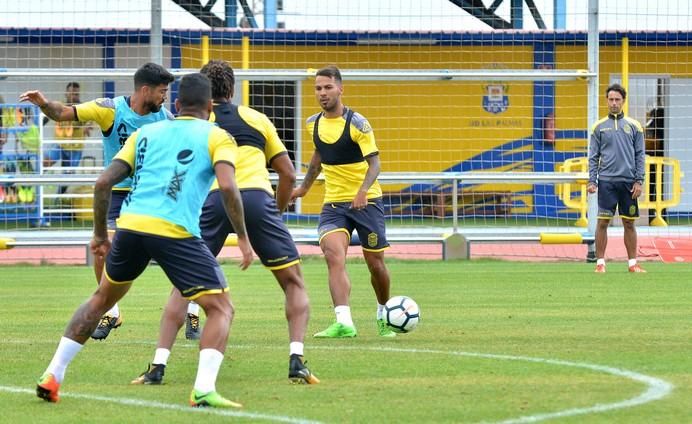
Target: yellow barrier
[
  {"x": 231, "y": 240},
  {"x": 6, "y": 243},
  {"x": 564, "y": 191},
  {"x": 658, "y": 204},
  {"x": 561, "y": 238},
  {"x": 579, "y": 202},
  {"x": 84, "y": 203}
]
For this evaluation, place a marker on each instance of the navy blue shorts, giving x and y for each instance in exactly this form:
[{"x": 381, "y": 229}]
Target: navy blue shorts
[
  {"x": 117, "y": 199},
  {"x": 616, "y": 195},
  {"x": 368, "y": 223},
  {"x": 188, "y": 263},
  {"x": 267, "y": 233}
]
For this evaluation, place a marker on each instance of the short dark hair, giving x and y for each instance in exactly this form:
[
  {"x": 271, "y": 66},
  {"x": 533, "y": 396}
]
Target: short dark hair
[
  {"x": 222, "y": 78},
  {"x": 153, "y": 75},
  {"x": 194, "y": 91},
  {"x": 617, "y": 88},
  {"x": 331, "y": 71},
  {"x": 72, "y": 84}
]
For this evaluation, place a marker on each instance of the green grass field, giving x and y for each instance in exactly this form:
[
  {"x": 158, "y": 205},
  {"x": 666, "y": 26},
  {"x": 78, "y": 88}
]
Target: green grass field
[{"x": 498, "y": 341}]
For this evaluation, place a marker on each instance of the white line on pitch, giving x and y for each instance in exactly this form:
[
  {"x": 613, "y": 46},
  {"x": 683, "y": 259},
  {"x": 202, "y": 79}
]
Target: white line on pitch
[
  {"x": 170, "y": 406},
  {"x": 656, "y": 388}
]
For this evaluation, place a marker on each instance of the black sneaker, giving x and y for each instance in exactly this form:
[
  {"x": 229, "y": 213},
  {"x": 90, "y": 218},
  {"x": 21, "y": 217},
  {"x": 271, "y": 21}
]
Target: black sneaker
[
  {"x": 298, "y": 373},
  {"x": 153, "y": 375},
  {"x": 105, "y": 326},
  {"x": 192, "y": 330}
]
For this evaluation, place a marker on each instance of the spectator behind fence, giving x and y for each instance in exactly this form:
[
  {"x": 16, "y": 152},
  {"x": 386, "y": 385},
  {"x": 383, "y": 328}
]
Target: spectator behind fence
[{"x": 68, "y": 154}]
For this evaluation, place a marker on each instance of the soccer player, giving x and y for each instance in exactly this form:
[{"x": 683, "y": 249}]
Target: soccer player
[
  {"x": 118, "y": 118},
  {"x": 258, "y": 145},
  {"x": 616, "y": 171},
  {"x": 173, "y": 164},
  {"x": 345, "y": 150}
]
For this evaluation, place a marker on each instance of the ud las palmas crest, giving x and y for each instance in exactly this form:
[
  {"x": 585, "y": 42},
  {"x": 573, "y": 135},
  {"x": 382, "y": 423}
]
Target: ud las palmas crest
[{"x": 495, "y": 100}]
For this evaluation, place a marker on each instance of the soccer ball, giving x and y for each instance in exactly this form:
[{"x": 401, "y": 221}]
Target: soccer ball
[{"x": 401, "y": 314}]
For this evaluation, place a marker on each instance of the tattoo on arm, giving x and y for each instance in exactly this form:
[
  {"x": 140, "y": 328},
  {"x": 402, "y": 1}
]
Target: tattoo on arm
[
  {"x": 313, "y": 172},
  {"x": 53, "y": 110},
  {"x": 116, "y": 172},
  {"x": 234, "y": 209},
  {"x": 373, "y": 172}
]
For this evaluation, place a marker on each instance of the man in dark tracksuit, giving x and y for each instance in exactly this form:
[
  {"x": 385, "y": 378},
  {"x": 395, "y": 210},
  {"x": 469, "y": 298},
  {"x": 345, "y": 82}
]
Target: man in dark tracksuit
[{"x": 616, "y": 170}]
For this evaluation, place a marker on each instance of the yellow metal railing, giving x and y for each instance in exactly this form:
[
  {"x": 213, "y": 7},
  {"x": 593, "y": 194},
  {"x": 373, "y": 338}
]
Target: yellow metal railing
[
  {"x": 565, "y": 191},
  {"x": 574, "y": 195}
]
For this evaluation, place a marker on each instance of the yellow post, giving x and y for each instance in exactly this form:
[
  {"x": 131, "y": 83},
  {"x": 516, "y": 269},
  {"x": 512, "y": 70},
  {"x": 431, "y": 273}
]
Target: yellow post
[
  {"x": 245, "y": 46},
  {"x": 205, "y": 49},
  {"x": 564, "y": 190},
  {"x": 560, "y": 238},
  {"x": 658, "y": 221},
  {"x": 625, "y": 68}
]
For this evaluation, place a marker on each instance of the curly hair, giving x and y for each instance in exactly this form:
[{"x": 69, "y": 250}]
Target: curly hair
[{"x": 222, "y": 78}]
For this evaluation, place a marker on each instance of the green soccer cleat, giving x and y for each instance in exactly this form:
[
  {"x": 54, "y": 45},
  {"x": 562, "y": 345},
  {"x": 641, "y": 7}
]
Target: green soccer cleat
[
  {"x": 337, "y": 331},
  {"x": 213, "y": 399},
  {"x": 383, "y": 330}
]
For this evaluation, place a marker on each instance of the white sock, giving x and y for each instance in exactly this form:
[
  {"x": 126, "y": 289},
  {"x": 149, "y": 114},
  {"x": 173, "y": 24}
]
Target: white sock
[
  {"x": 343, "y": 315},
  {"x": 632, "y": 262},
  {"x": 64, "y": 354},
  {"x": 380, "y": 311},
  {"x": 600, "y": 261},
  {"x": 208, "y": 370},
  {"x": 161, "y": 356},
  {"x": 114, "y": 311},
  {"x": 295, "y": 348},
  {"x": 193, "y": 308}
]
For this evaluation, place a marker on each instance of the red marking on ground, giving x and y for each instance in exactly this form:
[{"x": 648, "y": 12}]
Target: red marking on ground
[
  {"x": 667, "y": 249},
  {"x": 674, "y": 250}
]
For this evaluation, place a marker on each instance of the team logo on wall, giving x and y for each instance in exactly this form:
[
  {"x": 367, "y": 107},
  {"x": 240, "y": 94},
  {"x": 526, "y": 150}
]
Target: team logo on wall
[{"x": 495, "y": 100}]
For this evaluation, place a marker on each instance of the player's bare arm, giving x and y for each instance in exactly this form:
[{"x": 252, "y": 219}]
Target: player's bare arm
[
  {"x": 51, "y": 108},
  {"x": 116, "y": 172},
  {"x": 361, "y": 199},
  {"x": 287, "y": 178},
  {"x": 314, "y": 170},
  {"x": 225, "y": 175}
]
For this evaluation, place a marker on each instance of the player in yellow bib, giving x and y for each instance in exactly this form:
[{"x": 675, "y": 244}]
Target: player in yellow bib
[
  {"x": 258, "y": 146},
  {"x": 346, "y": 152}
]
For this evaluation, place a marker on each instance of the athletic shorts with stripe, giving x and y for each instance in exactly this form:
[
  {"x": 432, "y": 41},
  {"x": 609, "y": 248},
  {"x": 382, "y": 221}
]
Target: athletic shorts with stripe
[
  {"x": 612, "y": 195},
  {"x": 268, "y": 235},
  {"x": 187, "y": 262},
  {"x": 117, "y": 199},
  {"x": 368, "y": 223}
]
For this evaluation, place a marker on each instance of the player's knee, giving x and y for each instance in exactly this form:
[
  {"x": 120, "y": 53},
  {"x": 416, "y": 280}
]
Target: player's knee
[
  {"x": 291, "y": 279},
  {"x": 217, "y": 306},
  {"x": 175, "y": 313},
  {"x": 334, "y": 258}
]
